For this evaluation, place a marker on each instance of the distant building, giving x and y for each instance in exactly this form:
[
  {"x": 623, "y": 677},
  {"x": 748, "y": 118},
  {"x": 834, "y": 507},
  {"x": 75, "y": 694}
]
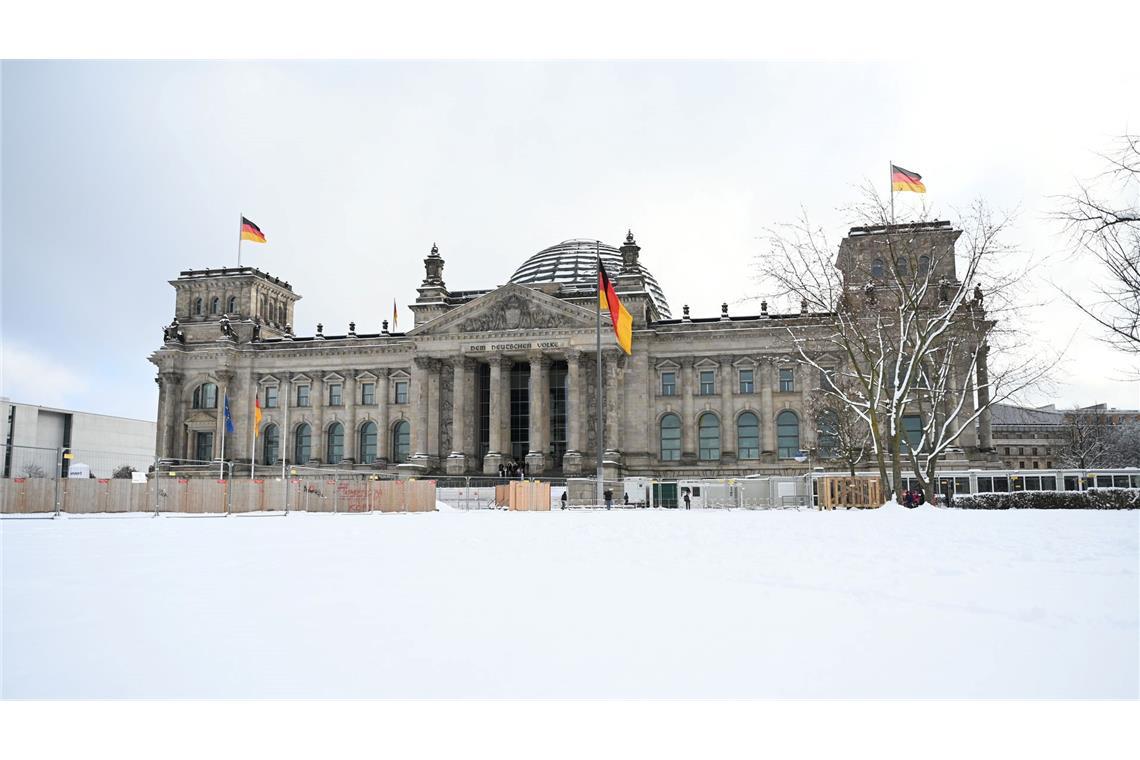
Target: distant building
[
  {"x": 1036, "y": 438},
  {"x": 33, "y": 438}
]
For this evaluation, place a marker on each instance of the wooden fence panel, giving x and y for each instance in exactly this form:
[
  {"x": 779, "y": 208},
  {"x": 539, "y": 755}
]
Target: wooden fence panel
[
  {"x": 846, "y": 492},
  {"x": 23, "y": 496}
]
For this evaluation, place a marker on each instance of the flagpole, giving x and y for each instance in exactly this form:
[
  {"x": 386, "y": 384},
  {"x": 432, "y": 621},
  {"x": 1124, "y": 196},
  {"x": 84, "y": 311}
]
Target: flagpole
[
  {"x": 891, "y": 178},
  {"x": 240, "y": 218},
  {"x": 285, "y": 440},
  {"x": 598, "y": 336},
  {"x": 253, "y": 438},
  {"x": 222, "y": 451}
]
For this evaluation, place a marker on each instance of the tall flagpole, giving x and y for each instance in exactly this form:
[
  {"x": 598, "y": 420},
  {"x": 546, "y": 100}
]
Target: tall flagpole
[
  {"x": 240, "y": 222},
  {"x": 222, "y": 451},
  {"x": 601, "y": 388},
  {"x": 891, "y": 176},
  {"x": 253, "y": 438},
  {"x": 285, "y": 441}
]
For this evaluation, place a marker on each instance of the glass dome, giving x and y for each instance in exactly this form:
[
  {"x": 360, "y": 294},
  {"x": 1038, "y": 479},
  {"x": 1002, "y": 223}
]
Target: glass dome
[{"x": 572, "y": 263}]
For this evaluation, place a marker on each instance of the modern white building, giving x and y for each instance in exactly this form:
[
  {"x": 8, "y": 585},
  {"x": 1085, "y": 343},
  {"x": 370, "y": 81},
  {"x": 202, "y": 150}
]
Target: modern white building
[{"x": 34, "y": 439}]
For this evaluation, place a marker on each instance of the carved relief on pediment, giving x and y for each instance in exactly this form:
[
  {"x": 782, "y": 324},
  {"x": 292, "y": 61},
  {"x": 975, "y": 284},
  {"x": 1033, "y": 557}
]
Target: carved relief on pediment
[{"x": 514, "y": 313}]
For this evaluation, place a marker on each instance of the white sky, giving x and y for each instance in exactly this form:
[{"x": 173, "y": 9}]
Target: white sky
[{"x": 116, "y": 176}]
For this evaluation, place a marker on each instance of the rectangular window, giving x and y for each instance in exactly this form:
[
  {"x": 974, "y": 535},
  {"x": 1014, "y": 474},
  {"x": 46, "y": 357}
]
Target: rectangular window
[
  {"x": 271, "y": 397},
  {"x": 912, "y": 430},
  {"x": 401, "y": 391},
  {"x": 368, "y": 393},
  {"x": 203, "y": 446},
  {"x": 334, "y": 394},
  {"x": 1048, "y": 483},
  {"x": 1034, "y": 451},
  {"x": 787, "y": 383},
  {"x": 746, "y": 381},
  {"x": 302, "y": 395},
  {"x": 668, "y": 383},
  {"x": 708, "y": 382}
]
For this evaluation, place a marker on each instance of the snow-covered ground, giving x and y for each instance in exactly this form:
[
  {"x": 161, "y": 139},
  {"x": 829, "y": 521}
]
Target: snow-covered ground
[{"x": 652, "y": 603}]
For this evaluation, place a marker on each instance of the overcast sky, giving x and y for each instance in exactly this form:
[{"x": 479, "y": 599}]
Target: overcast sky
[{"x": 116, "y": 176}]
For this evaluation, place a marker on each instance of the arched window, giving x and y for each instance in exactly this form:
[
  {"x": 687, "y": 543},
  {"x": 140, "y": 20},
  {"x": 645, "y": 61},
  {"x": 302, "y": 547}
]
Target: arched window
[
  {"x": 787, "y": 434},
  {"x": 708, "y": 436},
  {"x": 877, "y": 269},
  {"x": 748, "y": 436},
  {"x": 334, "y": 452},
  {"x": 214, "y": 305},
  {"x": 923, "y": 265},
  {"x": 670, "y": 438},
  {"x": 828, "y": 433},
  {"x": 368, "y": 442},
  {"x": 232, "y": 307},
  {"x": 271, "y": 444},
  {"x": 302, "y": 444},
  {"x": 206, "y": 396},
  {"x": 198, "y": 306},
  {"x": 900, "y": 266},
  {"x": 401, "y": 441}
]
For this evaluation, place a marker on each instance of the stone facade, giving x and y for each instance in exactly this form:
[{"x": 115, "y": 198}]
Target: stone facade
[{"x": 489, "y": 377}]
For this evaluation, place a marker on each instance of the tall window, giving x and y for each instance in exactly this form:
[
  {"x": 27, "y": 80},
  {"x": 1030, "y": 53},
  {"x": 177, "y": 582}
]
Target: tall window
[
  {"x": 198, "y": 306},
  {"x": 520, "y": 411},
  {"x": 401, "y": 391},
  {"x": 787, "y": 434},
  {"x": 214, "y": 305},
  {"x": 708, "y": 382},
  {"x": 708, "y": 435},
  {"x": 559, "y": 391},
  {"x": 206, "y": 396},
  {"x": 900, "y": 266},
  {"x": 923, "y": 265},
  {"x": 877, "y": 269},
  {"x": 368, "y": 393},
  {"x": 401, "y": 441},
  {"x": 203, "y": 446},
  {"x": 302, "y": 395},
  {"x": 334, "y": 452},
  {"x": 669, "y": 383},
  {"x": 335, "y": 394},
  {"x": 746, "y": 381},
  {"x": 787, "y": 381},
  {"x": 303, "y": 444},
  {"x": 368, "y": 442},
  {"x": 748, "y": 436},
  {"x": 232, "y": 307},
  {"x": 828, "y": 433},
  {"x": 270, "y": 444},
  {"x": 912, "y": 430},
  {"x": 670, "y": 438},
  {"x": 271, "y": 397}
]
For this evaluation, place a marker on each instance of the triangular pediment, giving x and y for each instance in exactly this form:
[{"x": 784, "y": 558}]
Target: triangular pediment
[{"x": 512, "y": 307}]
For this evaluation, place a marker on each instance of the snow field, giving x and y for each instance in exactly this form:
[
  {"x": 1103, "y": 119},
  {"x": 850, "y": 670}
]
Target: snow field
[{"x": 646, "y": 603}]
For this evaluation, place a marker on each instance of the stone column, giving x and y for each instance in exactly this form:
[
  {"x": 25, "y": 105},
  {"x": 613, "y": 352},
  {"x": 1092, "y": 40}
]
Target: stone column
[
  {"x": 284, "y": 404},
  {"x": 169, "y": 385},
  {"x": 419, "y": 399},
  {"x": 317, "y": 400},
  {"x": 383, "y": 435},
  {"x": 572, "y": 461},
  {"x": 494, "y": 456},
  {"x": 967, "y": 433},
  {"x": 984, "y": 440},
  {"x": 348, "y": 398},
  {"x": 539, "y": 413},
  {"x": 688, "y": 424},
  {"x": 457, "y": 458},
  {"x": 765, "y": 371},
  {"x": 613, "y": 368},
  {"x": 727, "y": 419},
  {"x": 433, "y": 421}
]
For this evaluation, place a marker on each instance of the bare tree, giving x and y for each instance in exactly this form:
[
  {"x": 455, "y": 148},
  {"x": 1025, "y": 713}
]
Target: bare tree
[
  {"x": 913, "y": 328},
  {"x": 1124, "y": 445},
  {"x": 1104, "y": 221},
  {"x": 843, "y": 435},
  {"x": 1089, "y": 439},
  {"x": 123, "y": 472},
  {"x": 33, "y": 470}
]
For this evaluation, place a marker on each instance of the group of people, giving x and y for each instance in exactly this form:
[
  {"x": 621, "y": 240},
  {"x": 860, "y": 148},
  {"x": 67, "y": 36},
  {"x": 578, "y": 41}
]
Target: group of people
[
  {"x": 914, "y": 498},
  {"x": 512, "y": 469}
]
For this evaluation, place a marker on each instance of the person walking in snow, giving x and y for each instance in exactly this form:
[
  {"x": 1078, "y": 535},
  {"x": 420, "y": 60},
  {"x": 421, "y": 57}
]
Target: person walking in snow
[
  {"x": 564, "y": 500},
  {"x": 609, "y": 497},
  {"x": 686, "y": 497}
]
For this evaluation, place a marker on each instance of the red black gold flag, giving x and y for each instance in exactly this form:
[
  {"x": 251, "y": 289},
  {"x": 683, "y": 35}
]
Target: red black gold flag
[
  {"x": 608, "y": 300},
  {"x": 904, "y": 181},
  {"x": 250, "y": 231}
]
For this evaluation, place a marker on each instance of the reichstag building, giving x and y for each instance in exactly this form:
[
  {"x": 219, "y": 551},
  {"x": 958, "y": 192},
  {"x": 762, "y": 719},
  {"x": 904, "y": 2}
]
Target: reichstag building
[{"x": 506, "y": 375}]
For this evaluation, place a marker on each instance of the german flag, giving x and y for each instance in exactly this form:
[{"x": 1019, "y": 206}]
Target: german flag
[
  {"x": 256, "y": 416},
  {"x": 904, "y": 181},
  {"x": 250, "y": 231},
  {"x": 608, "y": 300}
]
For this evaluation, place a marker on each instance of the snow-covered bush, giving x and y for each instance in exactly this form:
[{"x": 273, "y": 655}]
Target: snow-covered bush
[{"x": 1094, "y": 498}]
